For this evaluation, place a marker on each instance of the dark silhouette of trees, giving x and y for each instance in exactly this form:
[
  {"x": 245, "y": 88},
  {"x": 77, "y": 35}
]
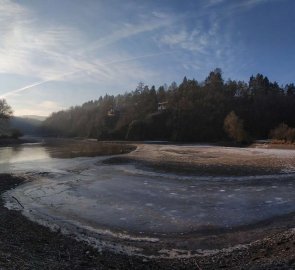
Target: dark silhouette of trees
[
  {"x": 6, "y": 113},
  {"x": 290, "y": 89},
  {"x": 191, "y": 111},
  {"x": 5, "y": 110}
]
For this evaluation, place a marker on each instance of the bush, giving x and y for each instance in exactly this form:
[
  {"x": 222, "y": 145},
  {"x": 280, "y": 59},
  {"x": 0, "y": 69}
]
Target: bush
[
  {"x": 283, "y": 133},
  {"x": 234, "y": 128}
]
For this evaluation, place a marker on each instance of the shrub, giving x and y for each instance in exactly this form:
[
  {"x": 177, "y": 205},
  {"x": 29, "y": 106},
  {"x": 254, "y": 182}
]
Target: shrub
[
  {"x": 283, "y": 133},
  {"x": 234, "y": 128}
]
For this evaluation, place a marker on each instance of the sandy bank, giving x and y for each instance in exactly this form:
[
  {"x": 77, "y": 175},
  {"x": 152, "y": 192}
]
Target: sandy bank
[{"x": 213, "y": 160}]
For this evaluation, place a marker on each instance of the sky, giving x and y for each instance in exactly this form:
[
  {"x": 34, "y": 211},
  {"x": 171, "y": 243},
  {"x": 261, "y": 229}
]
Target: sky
[{"x": 55, "y": 54}]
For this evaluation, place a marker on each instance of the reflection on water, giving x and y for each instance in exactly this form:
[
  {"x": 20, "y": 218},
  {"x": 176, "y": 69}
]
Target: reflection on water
[
  {"x": 51, "y": 154},
  {"x": 60, "y": 149},
  {"x": 22, "y": 154}
]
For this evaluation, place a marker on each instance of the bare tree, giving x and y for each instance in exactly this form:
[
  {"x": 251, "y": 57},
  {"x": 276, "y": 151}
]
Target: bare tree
[
  {"x": 234, "y": 127},
  {"x": 5, "y": 110}
]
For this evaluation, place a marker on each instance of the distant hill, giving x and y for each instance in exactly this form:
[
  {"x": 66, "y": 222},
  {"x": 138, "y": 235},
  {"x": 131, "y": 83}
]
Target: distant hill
[
  {"x": 36, "y": 117},
  {"x": 28, "y": 124}
]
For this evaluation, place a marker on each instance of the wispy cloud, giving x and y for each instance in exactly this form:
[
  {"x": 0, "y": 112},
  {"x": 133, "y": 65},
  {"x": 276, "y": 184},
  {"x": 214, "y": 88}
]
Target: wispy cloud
[
  {"x": 252, "y": 3},
  {"x": 127, "y": 30},
  {"x": 213, "y": 3},
  {"x": 100, "y": 68},
  {"x": 28, "y": 48},
  {"x": 192, "y": 41},
  {"x": 54, "y": 52},
  {"x": 239, "y": 6},
  {"x": 208, "y": 39},
  {"x": 9, "y": 8},
  {"x": 200, "y": 40}
]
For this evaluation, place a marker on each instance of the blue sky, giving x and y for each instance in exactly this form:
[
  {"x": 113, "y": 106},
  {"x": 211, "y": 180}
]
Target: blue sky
[{"x": 55, "y": 54}]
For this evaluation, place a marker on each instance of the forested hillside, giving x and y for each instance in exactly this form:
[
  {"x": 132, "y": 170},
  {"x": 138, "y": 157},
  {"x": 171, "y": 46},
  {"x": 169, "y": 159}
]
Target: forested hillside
[
  {"x": 192, "y": 111},
  {"x": 27, "y": 125}
]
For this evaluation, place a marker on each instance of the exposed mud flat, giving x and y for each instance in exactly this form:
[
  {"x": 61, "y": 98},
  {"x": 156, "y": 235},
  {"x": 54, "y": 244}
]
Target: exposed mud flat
[{"x": 215, "y": 160}]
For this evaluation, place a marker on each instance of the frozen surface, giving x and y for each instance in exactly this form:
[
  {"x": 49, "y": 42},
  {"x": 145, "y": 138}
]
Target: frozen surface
[
  {"x": 110, "y": 196},
  {"x": 85, "y": 193}
]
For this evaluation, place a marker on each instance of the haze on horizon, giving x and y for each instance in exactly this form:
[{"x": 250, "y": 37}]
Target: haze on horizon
[{"x": 56, "y": 54}]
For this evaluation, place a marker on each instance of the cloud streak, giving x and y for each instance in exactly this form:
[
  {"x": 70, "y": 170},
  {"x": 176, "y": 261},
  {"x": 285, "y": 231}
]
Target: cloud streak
[
  {"x": 27, "y": 87},
  {"x": 28, "y": 48},
  {"x": 54, "y": 78}
]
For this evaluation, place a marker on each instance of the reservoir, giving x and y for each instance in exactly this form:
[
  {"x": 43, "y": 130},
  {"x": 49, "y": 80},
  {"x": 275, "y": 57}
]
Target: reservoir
[{"x": 84, "y": 195}]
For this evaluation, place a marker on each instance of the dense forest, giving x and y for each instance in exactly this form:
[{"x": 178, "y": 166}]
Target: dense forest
[{"x": 211, "y": 110}]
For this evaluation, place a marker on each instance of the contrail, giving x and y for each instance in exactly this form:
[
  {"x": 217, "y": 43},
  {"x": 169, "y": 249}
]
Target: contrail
[
  {"x": 19, "y": 90},
  {"x": 54, "y": 78}
]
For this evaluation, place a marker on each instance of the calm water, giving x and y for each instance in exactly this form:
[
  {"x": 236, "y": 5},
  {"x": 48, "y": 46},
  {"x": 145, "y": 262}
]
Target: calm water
[{"x": 17, "y": 154}]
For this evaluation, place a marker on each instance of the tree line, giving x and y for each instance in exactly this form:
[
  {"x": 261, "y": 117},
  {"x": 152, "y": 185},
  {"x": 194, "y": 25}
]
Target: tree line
[{"x": 211, "y": 110}]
